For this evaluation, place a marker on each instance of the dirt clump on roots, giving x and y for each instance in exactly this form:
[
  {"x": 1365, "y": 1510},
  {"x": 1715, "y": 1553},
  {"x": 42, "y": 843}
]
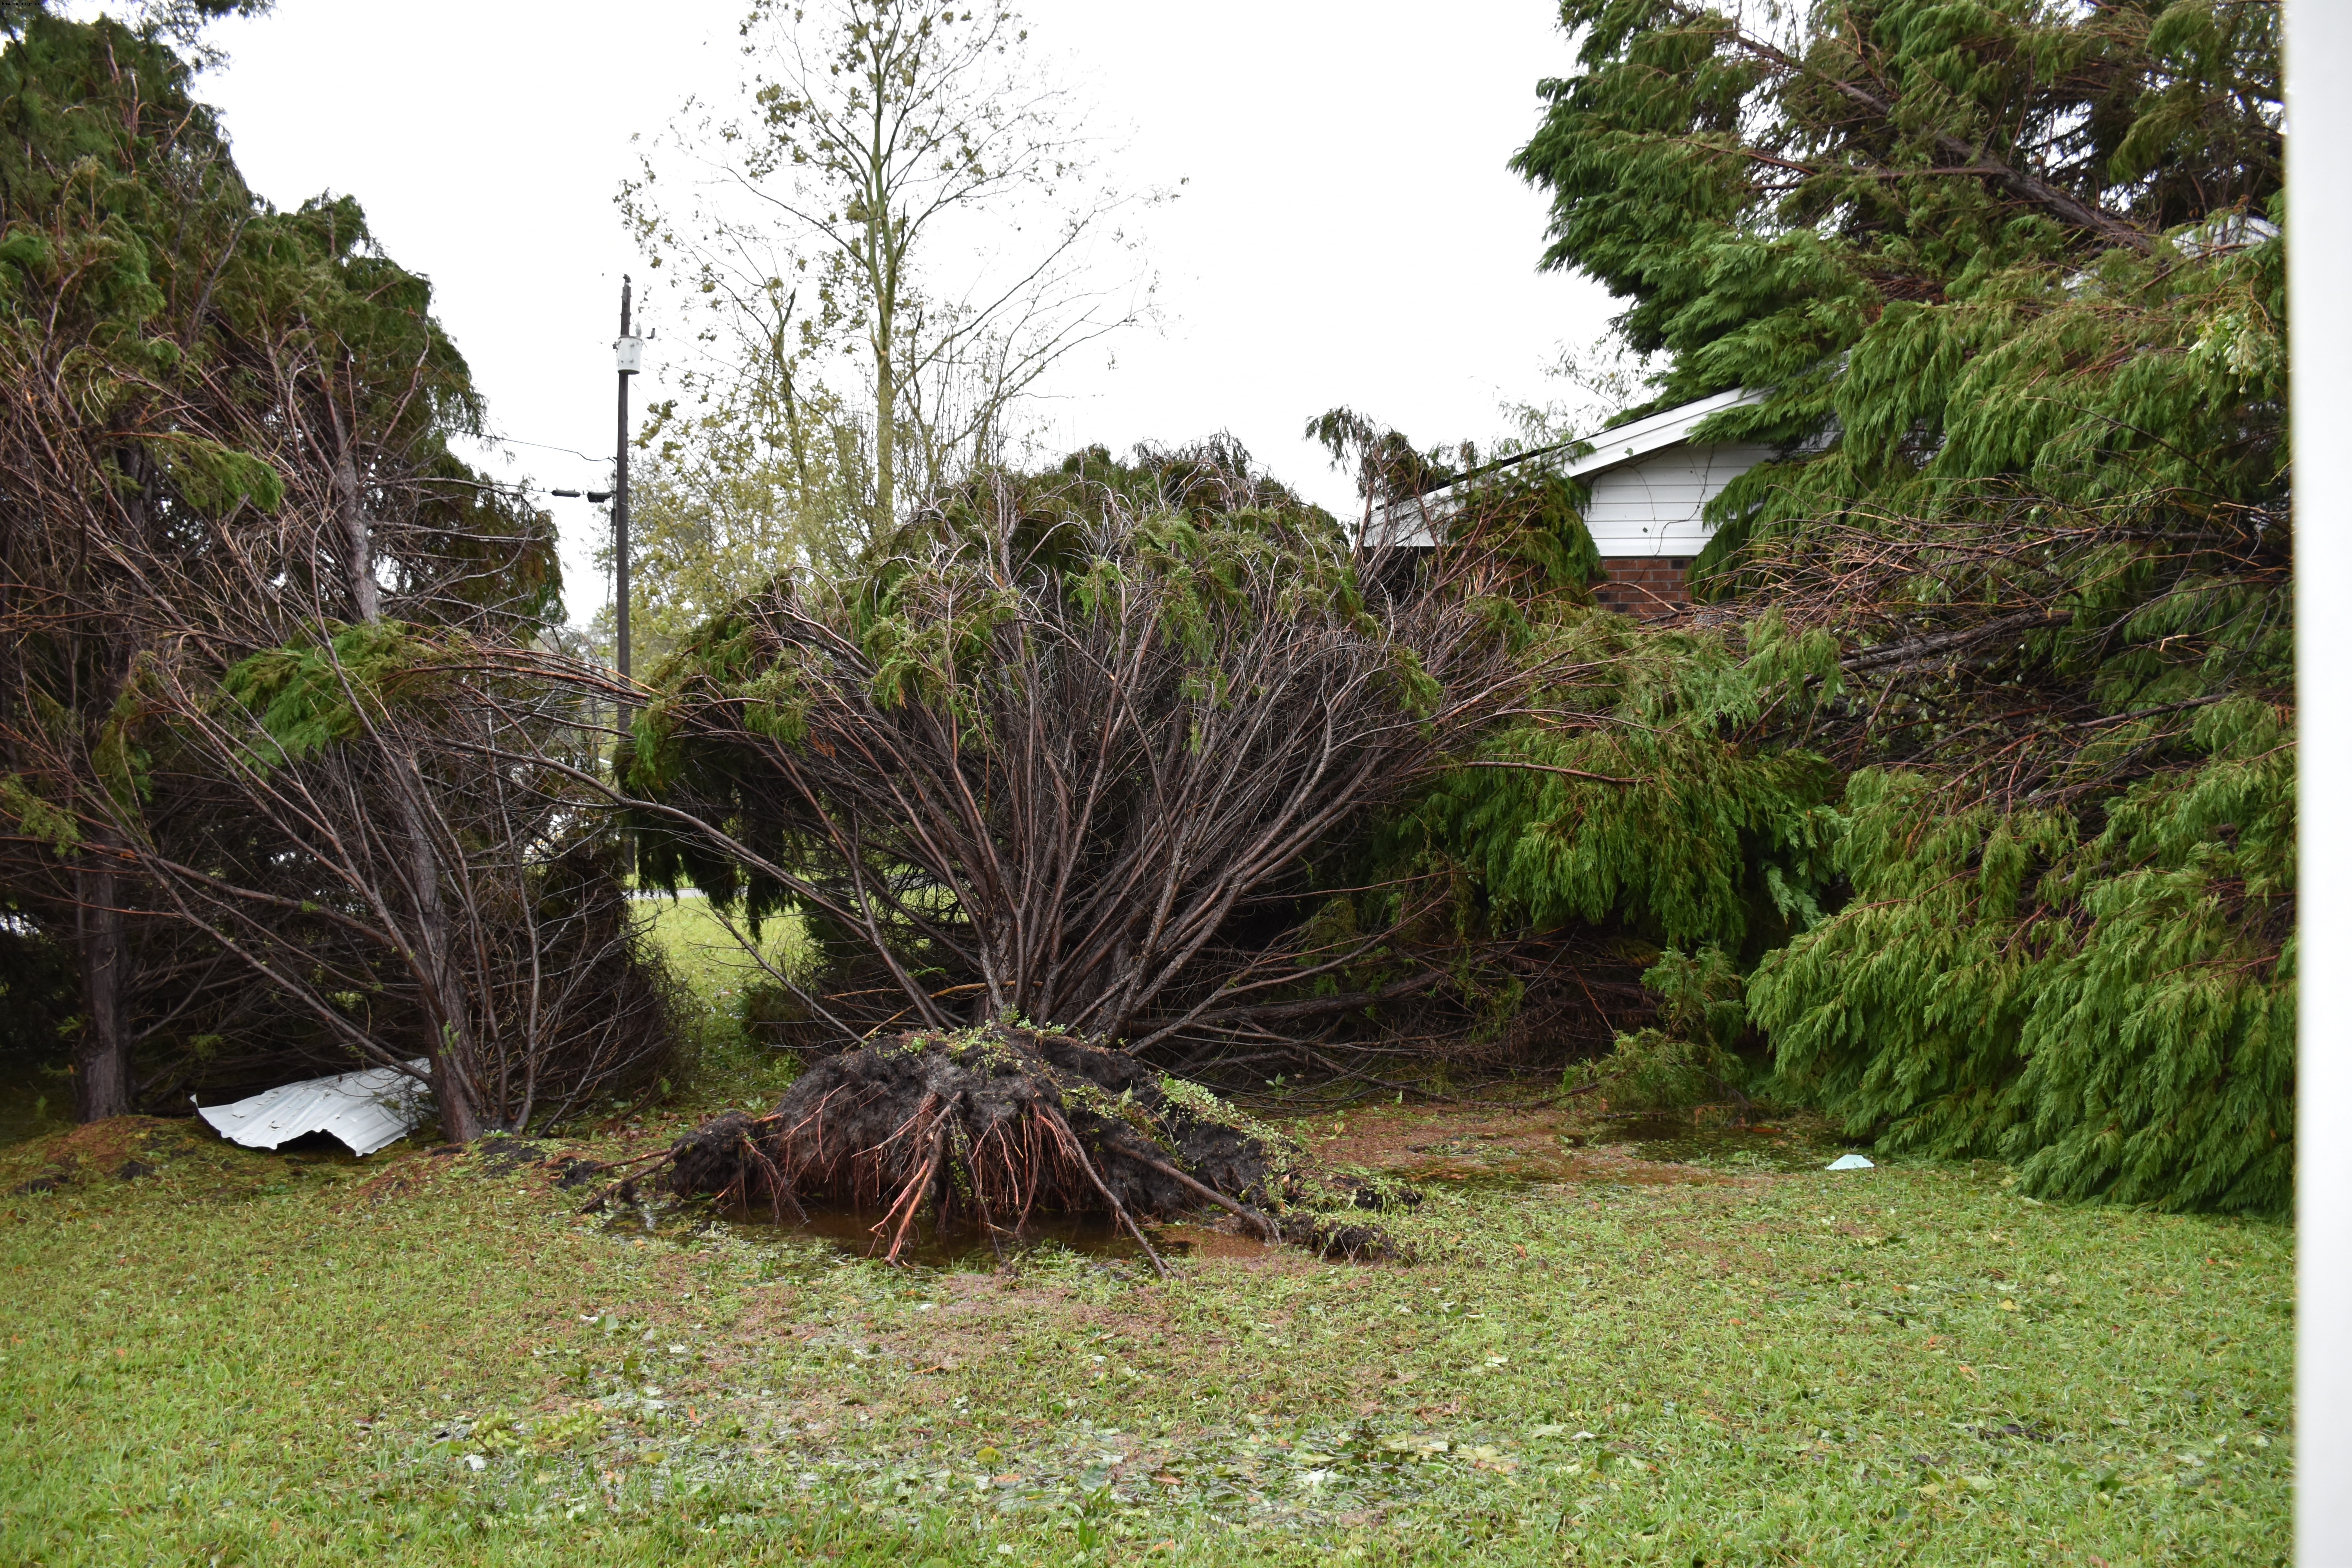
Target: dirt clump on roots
[{"x": 994, "y": 1124}]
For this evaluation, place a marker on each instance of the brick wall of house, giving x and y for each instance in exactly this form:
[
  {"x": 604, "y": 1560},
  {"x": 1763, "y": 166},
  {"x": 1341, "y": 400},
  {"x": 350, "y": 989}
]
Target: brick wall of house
[{"x": 1646, "y": 585}]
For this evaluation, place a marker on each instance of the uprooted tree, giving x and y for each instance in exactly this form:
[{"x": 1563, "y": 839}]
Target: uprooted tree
[
  {"x": 998, "y": 1123},
  {"x": 1098, "y": 758},
  {"x": 1104, "y": 752}
]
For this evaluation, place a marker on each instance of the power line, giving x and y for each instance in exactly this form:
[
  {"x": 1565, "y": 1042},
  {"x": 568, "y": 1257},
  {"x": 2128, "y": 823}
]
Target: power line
[{"x": 545, "y": 446}]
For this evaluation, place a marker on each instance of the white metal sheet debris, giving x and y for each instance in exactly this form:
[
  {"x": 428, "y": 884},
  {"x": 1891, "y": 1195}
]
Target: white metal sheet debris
[
  {"x": 365, "y": 1110},
  {"x": 1849, "y": 1162}
]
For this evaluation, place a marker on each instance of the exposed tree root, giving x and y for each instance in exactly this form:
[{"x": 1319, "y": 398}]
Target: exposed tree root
[{"x": 996, "y": 1124}]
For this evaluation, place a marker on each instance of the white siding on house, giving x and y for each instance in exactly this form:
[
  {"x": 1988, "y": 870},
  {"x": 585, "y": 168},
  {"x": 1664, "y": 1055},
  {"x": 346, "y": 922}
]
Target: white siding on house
[
  {"x": 1668, "y": 427},
  {"x": 1651, "y": 505},
  {"x": 1649, "y": 484},
  {"x": 1409, "y": 524}
]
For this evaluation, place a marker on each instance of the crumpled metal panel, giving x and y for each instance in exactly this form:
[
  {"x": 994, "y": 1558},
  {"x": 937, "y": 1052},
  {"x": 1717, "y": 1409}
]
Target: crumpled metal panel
[{"x": 365, "y": 1110}]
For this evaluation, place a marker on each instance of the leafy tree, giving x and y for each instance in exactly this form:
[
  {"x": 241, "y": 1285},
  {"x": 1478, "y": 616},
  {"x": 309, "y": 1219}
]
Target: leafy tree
[
  {"x": 2010, "y": 275},
  {"x": 720, "y": 507}
]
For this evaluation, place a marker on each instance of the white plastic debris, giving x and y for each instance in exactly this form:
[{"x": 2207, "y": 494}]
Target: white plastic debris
[
  {"x": 365, "y": 1110},
  {"x": 1849, "y": 1162}
]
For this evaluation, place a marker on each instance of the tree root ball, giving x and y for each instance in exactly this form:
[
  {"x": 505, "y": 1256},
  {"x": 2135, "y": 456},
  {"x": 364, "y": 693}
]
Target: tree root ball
[{"x": 994, "y": 1124}]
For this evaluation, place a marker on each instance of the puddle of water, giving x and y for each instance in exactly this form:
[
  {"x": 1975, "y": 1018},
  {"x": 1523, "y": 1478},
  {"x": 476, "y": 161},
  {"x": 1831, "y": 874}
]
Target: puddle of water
[
  {"x": 1693, "y": 1140},
  {"x": 851, "y": 1233},
  {"x": 1679, "y": 1138}
]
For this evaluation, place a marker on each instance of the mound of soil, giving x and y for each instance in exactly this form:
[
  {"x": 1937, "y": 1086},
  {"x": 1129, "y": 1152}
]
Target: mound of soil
[
  {"x": 126, "y": 1148},
  {"x": 995, "y": 1124}
]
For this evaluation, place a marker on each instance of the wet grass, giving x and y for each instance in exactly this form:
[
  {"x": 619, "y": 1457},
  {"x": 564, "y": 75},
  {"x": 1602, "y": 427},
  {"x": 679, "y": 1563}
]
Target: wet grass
[
  {"x": 243, "y": 1358},
  {"x": 722, "y": 1069},
  {"x": 700, "y": 946}
]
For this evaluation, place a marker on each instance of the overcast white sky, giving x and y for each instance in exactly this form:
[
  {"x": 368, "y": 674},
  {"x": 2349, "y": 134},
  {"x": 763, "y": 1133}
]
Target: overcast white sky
[{"x": 1347, "y": 231}]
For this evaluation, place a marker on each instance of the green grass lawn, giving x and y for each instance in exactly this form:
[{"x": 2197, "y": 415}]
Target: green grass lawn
[
  {"x": 705, "y": 953},
  {"x": 1702, "y": 1350},
  {"x": 246, "y": 1358}
]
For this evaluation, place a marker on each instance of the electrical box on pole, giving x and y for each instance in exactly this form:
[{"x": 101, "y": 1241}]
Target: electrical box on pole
[{"x": 629, "y": 354}]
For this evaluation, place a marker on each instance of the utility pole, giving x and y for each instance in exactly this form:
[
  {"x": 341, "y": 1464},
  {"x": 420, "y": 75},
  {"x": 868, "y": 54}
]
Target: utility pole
[{"x": 628, "y": 353}]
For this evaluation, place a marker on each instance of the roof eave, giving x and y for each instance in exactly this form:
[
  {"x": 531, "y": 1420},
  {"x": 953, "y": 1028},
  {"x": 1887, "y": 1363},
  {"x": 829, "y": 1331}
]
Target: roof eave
[{"x": 1668, "y": 427}]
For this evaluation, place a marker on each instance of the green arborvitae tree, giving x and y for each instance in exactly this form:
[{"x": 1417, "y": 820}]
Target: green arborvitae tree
[
  {"x": 2007, "y": 749},
  {"x": 117, "y": 200}
]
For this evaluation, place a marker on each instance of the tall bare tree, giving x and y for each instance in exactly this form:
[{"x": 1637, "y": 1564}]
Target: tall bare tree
[{"x": 873, "y": 140}]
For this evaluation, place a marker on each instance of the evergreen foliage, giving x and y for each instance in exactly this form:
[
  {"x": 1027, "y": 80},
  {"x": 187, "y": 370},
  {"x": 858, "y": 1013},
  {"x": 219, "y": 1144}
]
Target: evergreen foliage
[
  {"x": 1651, "y": 822},
  {"x": 1996, "y": 788},
  {"x": 240, "y": 564},
  {"x": 1690, "y": 1056}
]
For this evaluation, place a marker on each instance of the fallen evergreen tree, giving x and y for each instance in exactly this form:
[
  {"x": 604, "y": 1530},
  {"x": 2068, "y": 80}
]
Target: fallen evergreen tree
[
  {"x": 1982, "y": 765},
  {"x": 1103, "y": 753},
  {"x": 264, "y": 639}
]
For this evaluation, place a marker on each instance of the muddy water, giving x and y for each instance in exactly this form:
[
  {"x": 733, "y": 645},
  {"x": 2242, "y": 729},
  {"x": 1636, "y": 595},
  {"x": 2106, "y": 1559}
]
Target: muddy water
[
  {"x": 1681, "y": 1138},
  {"x": 1659, "y": 1146}
]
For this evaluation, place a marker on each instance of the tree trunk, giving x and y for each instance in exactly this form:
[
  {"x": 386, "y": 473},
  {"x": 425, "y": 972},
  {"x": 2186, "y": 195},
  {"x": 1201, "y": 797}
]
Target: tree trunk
[
  {"x": 101, "y": 1055},
  {"x": 361, "y": 556},
  {"x": 886, "y": 421},
  {"x": 881, "y": 263},
  {"x": 452, "y": 1093},
  {"x": 453, "y": 1099}
]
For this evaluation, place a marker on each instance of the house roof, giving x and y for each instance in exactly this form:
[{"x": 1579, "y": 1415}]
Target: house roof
[{"x": 1668, "y": 427}]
